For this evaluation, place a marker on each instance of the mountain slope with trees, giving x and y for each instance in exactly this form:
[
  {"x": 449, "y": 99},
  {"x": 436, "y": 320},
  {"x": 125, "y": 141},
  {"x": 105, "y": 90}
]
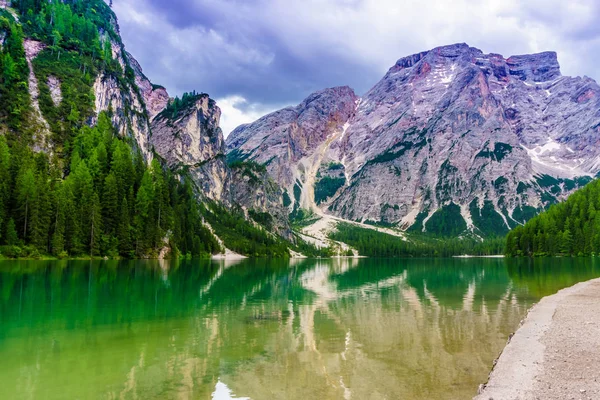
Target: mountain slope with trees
[
  {"x": 568, "y": 228},
  {"x": 79, "y": 175},
  {"x": 373, "y": 243}
]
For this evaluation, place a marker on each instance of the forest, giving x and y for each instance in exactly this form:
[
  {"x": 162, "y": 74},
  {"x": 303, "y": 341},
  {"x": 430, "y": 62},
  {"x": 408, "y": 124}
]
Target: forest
[
  {"x": 568, "y": 228},
  {"x": 372, "y": 243},
  {"x": 111, "y": 203}
]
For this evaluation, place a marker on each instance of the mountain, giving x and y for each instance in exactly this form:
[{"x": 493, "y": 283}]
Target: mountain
[
  {"x": 97, "y": 160},
  {"x": 450, "y": 141}
]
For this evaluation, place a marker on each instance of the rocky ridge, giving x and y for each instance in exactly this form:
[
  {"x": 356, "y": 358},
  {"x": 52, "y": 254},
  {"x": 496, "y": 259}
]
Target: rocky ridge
[
  {"x": 449, "y": 137},
  {"x": 290, "y": 142}
]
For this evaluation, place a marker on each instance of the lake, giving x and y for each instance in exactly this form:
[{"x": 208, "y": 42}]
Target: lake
[{"x": 264, "y": 329}]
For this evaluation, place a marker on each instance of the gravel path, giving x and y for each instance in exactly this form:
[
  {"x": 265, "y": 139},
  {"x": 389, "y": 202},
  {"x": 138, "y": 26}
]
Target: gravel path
[{"x": 556, "y": 352}]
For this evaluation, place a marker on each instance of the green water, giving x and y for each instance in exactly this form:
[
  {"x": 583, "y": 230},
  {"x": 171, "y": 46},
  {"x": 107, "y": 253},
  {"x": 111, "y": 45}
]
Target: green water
[{"x": 309, "y": 329}]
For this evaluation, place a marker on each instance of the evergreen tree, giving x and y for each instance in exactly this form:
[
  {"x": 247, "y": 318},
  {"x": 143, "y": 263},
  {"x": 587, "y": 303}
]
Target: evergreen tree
[
  {"x": 143, "y": 220},
  {"x": 124, "y": 230},
  {"x": 4, "y": 181},
  {"x": 110, "y": 204},
  {"x": 26, "y": 190},
  {"x": 566, "y": 244},
  {"x": 12, "y": 238},
  {"x": 95, "y": 225}
]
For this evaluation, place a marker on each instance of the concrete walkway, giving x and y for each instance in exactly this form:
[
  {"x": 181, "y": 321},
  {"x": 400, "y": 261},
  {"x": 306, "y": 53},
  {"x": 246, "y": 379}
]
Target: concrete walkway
[{"x": 555, "y": 354}]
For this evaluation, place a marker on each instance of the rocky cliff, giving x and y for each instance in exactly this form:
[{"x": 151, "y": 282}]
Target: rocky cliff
[
  {"x": 127, "y": 99},
  {"x": 190, "y": 139},
  {"x": 186, "y": 134},
  {"x": 290, "y": 142},
  {"x": 450, "y": 140}
]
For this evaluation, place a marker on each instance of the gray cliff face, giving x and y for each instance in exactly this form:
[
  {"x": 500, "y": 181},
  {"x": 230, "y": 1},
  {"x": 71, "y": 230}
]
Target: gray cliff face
[
  {"x": 190, "y": 139},
  {"x": 125, "y": 101},
  {"x": 281, "y": 139},
  {"x": 500, "y": 138},
  {"x": 155, "y": 97},
  {"x": 189, "y": 136},
  {"x": 257, "y": 193}
]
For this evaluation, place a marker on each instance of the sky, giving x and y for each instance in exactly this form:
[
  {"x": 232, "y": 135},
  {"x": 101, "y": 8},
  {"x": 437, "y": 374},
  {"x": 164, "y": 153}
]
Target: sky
[{"x": 256, "y": 56}]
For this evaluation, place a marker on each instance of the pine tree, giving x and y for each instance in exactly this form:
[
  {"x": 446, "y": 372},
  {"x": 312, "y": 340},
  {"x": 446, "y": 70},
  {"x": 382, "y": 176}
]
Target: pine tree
[
  {"x": 124, "y": 230},
  {"x": 26, "y": 190},
  {"x": 143, "y": 214},
  {"x": 4, "y": 181},
  {"x": 58, "y": 241},
  {"x": 41, "y": 215},
  {"x": 110, "y": 204},
  {"x": 95, "y": 225},
  {"x": 12, "y": 238},
  {"x": 122, "y": 167},
  {"x": 161, "y": 199},
  {"x": 567, "y": 242}
]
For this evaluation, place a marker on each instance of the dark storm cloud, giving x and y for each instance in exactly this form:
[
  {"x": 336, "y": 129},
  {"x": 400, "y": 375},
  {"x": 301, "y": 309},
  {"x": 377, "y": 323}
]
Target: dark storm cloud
[
  {"x": 223, "y": 49},
  {"x": 257, "y": 55},
  {"x": 184, "y": 13}
]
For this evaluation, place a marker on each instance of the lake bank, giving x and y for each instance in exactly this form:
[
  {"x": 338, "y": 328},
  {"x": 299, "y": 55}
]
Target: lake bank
[
  {"x": 476, "y": 256},
  {"x": 555, "y": 353}
]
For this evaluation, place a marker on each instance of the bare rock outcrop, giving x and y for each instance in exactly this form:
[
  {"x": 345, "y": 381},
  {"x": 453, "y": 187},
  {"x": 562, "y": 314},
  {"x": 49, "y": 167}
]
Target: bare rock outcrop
[
  {"x": 124, "y": 101},
  {"x": 155, "y": 97},
  {"x": 42, "y": 134},
  {"x": 55, "y": 90},
  {"x": 188, "y": 138}
]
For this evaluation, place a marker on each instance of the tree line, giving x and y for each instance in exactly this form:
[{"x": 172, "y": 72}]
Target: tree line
[
  {"x": 372, "y": 243},
  {"x": 568, "y": 228},
  {"x": 106, "y": 202},
  {"x": 71, "y": 24}
]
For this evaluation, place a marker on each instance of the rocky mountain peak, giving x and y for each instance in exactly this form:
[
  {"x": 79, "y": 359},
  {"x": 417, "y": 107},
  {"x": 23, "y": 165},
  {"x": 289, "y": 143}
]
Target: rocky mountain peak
[
  {"x": 450, "y": 51},
  {"x": 328, "y": 96},
  {"x": 540, "y": 67},
  {"x": 155, "y": 97},
  {"x": 449, "y": 134},
  {"x": 187, "y": 134},
  {"x": 454, "y": 50},
  {"x": 187, "y": 131}
]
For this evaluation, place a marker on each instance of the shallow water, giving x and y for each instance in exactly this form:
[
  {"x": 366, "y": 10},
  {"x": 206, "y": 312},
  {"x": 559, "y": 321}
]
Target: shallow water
[{"x": 257, "y": 329}]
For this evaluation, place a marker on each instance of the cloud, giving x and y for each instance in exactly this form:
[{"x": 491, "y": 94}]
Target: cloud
[
  {"x": 235, "y": 111},
  {"x": 273, "y": 52}
]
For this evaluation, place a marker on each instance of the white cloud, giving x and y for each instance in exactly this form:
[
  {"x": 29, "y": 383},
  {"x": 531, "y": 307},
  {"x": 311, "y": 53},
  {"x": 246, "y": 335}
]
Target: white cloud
[{"x": 235, "y": 111}]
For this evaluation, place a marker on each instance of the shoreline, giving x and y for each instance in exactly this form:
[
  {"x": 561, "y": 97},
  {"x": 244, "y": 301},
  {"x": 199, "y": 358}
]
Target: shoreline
[
  {"x": 237, "y": 256},
  {"x": 473, "y": 256},
  {"x": 552, "y": 354}
]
